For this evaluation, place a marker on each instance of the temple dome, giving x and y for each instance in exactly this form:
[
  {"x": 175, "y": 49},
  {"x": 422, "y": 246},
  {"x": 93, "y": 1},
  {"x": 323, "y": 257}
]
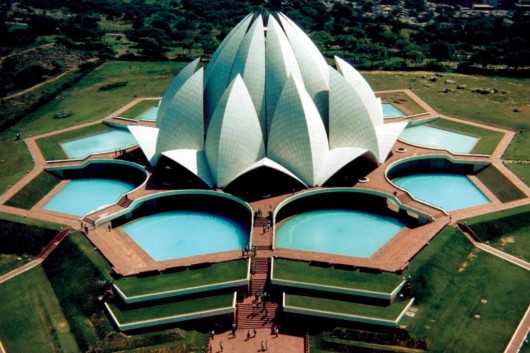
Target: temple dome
[{"x": 268, "y": 98}]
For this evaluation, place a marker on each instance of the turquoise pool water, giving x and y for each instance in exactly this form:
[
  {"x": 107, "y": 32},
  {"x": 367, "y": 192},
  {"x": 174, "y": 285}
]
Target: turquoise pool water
[
  {"x": 448, "y": 191},
  {"x": 100, "y": 143},
  {"x": 149, "y": 114},
  {"x": 81, "y": 196},
  {"x": 423, "y": 135},
  {"x": 390, "y": 111},
  {"x": 178, "y": 234},
  {"x": 339, "y": 232}
]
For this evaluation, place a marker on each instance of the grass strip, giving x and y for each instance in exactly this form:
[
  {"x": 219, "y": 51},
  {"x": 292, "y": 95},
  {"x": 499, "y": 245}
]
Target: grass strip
[
  {"x": 34, "y": 191},
  {"x": 301, "y": 271},
  {"x": 499, "y": 185},
  {"x": 347, "y": 307},
  {"x": 51, "y": 148},
  {"x": 150, "y": 311},
  {"x": 521, "y": 170},
  {"x": 189, "y": 277},
  {"x": 488, "y": 139},
  {"x": 32, "y": 319},
  {"x": 138, "y": 109},
  {"x": 354, "y": 346}
]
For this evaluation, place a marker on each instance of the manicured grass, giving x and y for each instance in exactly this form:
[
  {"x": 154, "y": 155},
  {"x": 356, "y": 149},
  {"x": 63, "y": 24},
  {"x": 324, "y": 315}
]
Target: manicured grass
[
  {"x": 388, "y": 312},
  {"x": 301, "y": 271},
  {"x": 146, "y": 79},
  {"x": 501, "y": 186},
  {"x": 403, "y": 102},
  {"x": 139, "y": 108},
  {"x": 95, "y": 257},
  {"x": 9, "y": 262},
  {"x": 77, "y": 284},
  {"x": 32, "y": 319},
  {"x": 190, "y": 277},
  {"x": 506, "y": 230},
  {"x": 509, "y": 110},
  {"x": 34, "y": 191},
  {"x": 23, "y": 236},
  {"x": 521, "y": 170},
  {"x": 150, "y": 311},
  {"x": 51, "y": 148},
  {"x": 518, "y": 149},
  {"x": 488, "y": 139},
  {"x": 452, "y": 315}
]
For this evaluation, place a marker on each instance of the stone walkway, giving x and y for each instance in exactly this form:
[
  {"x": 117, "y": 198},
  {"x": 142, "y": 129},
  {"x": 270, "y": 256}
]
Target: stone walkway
[{"x": 240, "y": 344}]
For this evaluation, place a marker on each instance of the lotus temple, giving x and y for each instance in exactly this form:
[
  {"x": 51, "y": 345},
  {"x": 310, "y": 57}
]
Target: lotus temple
[{"x": 276, "y": 167}]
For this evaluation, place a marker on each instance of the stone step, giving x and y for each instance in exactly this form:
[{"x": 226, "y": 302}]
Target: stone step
[{"x": 248, "y": 318}]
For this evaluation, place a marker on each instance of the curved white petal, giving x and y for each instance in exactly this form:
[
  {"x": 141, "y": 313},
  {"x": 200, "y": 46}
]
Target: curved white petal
[
  {"x": 234, "y": 139},
  {"x": 183, "y": 123},
  {"x": 297, "y": 136}
]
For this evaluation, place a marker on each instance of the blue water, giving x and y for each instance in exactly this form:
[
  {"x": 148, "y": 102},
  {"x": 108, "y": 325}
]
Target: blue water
[
  {"x": 149, "y": 114},
  {"x": 100, "y": 143},
  {"x": 423, "y": 135},
  {"x": 448, "y": 191},
  {"x": 340, "y": 232},
  {"x": 390, "y": 111},
  {"x": 178, "y": 234},
  {"x": 81, "y": 196}
]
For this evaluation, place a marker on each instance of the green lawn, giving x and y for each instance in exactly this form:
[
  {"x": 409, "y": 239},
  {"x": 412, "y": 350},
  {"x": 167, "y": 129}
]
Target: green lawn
[
  {"x": 388, "y": 312},
  {"x": 88, "y": 104},
  {"x": 131, "y": 314},
  {"x": 301, "y": 271},
  {"x": 34, "y": 191},
  {"x": 488, "y": 139},
  {"x": 51, "y": 148},
  {"x": 500, "y": 185},
  {"x": 521, "y": 170},
  {"x": 506, "y": 230},
  {"x": 452, "y": 315},
  {"x": 32, "y": 319},
  {"x": 9, "y": 262},
  {"x": 23, "y": 236},
  {"x": 509, "y": 110},
  {"x": 139, "y": 108},
  {"x": 190, "y": 277}
]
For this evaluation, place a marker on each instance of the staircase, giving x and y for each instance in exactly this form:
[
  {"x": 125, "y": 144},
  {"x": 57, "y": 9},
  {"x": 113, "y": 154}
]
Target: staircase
[
  {"x": 125, "y": 201},
  {"x": 248, "y": 318},
  {"x": 250, "y": 312},
  {"x": 260, "y": 271}
]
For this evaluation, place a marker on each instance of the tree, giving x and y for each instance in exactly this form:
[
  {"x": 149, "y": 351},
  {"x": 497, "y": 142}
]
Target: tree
[{"x": 441, "y": 50}]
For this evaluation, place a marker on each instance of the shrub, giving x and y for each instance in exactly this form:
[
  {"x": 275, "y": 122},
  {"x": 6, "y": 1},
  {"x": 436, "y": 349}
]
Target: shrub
[{"x": 113, "y": 85}]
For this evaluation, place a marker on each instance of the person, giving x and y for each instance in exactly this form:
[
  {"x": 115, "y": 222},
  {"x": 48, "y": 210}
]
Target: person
[
  {"x": 276, "y": 331},
  {"x": 266, "y": 345},
  {"x": 221, "y": 345},
  {"x": 248, "y": 335},
  {"x": 254, "y": 332},
  {"x": 262, "y": 346}
]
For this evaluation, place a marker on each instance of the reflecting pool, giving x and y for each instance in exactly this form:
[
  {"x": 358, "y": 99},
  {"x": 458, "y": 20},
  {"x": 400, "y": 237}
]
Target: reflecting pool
[{"x": 341, "y": 232}]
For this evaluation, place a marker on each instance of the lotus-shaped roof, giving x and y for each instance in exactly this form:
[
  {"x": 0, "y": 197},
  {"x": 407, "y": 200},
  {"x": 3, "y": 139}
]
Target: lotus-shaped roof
[{"x": 268, "y": 98}]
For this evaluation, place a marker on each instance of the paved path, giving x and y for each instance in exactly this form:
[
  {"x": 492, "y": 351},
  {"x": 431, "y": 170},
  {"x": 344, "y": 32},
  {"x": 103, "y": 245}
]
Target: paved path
[
  {"x": 240, "y": 344},
  {"x": 519, "y": 336},
  {"x": 20, "y": 270}
]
